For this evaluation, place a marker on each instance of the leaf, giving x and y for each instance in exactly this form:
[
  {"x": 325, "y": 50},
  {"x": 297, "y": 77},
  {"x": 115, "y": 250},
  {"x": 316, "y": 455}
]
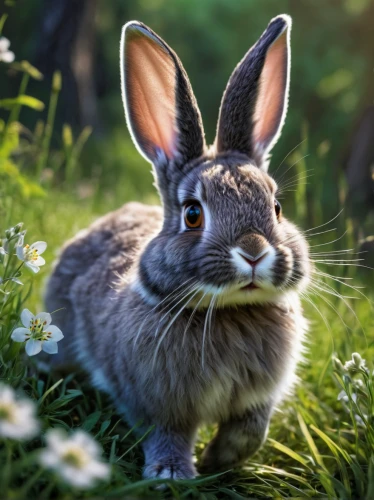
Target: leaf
[
  {"x": 67, "y": 136},
  {"x": 104, "y": 427},
  {"x": 16, "y": 280},
  {"x": 330, "y": 443},
  {"x": 28, "y": 68},
  {"x": 40, "y": 387},
  {"x": 3, "y": 18},
  {"x": 324, "y": 474},
  {"x": 370, "y": 489},
  {"x": 312, "y": 446},
  {"x": 22, "y": 100},
  {"x": 51, "y": 389},
  {"x": 113, "y": 448},
  {"x": 64, "y": 400},
  {"x": 91, "y": 421},
  {"x": 56, "y": 81},
  {"x": 289, "y": 452}
]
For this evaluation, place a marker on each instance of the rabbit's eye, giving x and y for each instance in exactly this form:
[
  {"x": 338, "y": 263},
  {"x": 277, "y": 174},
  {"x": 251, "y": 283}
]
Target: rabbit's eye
[
  {"x": 193, "y": 215},
  {"x": 277, "y": 207}
]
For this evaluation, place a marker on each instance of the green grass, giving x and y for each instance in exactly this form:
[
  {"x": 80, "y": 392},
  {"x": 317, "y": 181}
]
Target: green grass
[{"x": 319, "y": 446}]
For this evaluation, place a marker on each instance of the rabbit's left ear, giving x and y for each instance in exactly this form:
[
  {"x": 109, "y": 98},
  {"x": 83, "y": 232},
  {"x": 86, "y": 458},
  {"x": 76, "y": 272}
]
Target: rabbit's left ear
[{"x": 254, "y": 104}]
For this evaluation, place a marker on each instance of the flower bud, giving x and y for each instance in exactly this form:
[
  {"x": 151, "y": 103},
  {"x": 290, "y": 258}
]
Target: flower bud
[
  {"x": 338, "y": 365},
  {"x": 356, "y": 358},
  {"x": 18, "y": 227}
]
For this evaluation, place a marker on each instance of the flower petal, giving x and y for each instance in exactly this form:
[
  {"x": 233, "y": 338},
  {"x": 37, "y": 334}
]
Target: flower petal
[
  {"x": 57, "y": 334},
  {"x": 98, "y": 470},
  {"x": 76, "y": 477},
  {"x": 4, "y": 44},
  {"x": 2, "y": 251},
  {"x": 56, "y": 440},
  {"x": 26, "y": 317},
  {"x": 50, "y": 347},
  {"x": 39, "y": 261},
  {"x": 87, "y": 443},
  {"x": 31, "y": 266},
  {"x": 8, "y": 56},
  {"x": 44, "y": 317},
  {"x": 20, "y": 253},
  {"x": 40, "y": 246},
  {"x": 21, "y": 238},
  {"x": 20, "y": 334},
  {"x": 33, "y": 347},
  {"x": 7, "y": 394},
  {"x": 16, "y": 280},
  {"x": 49, "y": 459}
]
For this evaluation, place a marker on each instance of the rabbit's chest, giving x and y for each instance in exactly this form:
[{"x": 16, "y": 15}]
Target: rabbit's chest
[
  {"x": 245, "y": 362},
  {"x": 236, "y": 383}
]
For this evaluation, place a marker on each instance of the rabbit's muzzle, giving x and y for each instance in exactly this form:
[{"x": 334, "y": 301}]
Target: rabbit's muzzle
[{"x": 260, "y": 265}]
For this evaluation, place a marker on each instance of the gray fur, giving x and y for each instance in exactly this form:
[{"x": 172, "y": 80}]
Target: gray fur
[{"x": 170, "y": 354}]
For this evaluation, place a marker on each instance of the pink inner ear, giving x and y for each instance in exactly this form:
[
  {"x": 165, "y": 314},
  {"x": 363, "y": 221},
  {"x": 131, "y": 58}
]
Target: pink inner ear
[
  {"x": 270, "y": 104},
  {"x": 150, "y": 88}
]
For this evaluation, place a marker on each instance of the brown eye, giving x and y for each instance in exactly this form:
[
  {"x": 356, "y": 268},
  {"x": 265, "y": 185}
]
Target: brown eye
[
  {"x": 193, "y": 215},
  {"x": 277, "y": 207}
]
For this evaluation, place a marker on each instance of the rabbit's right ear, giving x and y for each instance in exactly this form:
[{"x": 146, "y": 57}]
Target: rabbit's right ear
[{"x": 161, "y": 110}]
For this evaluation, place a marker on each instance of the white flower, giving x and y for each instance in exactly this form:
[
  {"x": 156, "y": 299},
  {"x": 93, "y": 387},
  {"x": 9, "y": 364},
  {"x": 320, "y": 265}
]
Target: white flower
[
  {"x": 5, "y": 54},
  {"x": 38, "y": 333},
  {"x": 76, "y": 459},
  {"x": 356, "y": 364},
  {"x": 344, "y": 397},
  {"x": 17, "y": 416},
  {"x": 30, "y": 254}
]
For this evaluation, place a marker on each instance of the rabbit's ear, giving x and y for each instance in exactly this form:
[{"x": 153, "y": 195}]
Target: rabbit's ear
[
  {"x": 255, "y": 102},
  {"x": 160, "y": 107}
]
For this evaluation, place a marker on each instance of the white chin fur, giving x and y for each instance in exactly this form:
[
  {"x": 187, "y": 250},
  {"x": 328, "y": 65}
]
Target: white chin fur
[{"x": 236, "y": 295}]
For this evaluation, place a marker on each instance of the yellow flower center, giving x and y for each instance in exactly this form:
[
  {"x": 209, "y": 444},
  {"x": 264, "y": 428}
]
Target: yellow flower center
[
  {"x": 37, "y": 330},
  {"x": 7, "y": 412},
  {"x": 30, "y": 253},
  {"x": 76, "y": 457}
]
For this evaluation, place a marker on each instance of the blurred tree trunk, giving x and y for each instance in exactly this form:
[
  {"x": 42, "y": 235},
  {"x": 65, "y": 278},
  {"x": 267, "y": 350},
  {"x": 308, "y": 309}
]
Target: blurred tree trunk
[
  {"x": 358, "y": 156},
  {"x": 67, "y": 42},
  {"x": 83, "y": 61}
]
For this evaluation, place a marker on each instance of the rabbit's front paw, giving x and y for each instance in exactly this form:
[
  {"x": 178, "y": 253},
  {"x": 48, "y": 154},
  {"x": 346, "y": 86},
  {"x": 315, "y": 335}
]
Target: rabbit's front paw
[
  {"x": 169, "y": 469},
  {"x": 236, "y": 440},
  {"x": 215, "y": 459}
]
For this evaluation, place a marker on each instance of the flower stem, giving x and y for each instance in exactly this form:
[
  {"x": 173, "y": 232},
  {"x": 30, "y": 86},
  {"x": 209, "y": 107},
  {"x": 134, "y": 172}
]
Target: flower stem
[
  {"x": 14, "y": 114},
  {"x": 56, "y": 87},
  {"x": 22, "y": 493},
  {"x": 6, "y": 472}
]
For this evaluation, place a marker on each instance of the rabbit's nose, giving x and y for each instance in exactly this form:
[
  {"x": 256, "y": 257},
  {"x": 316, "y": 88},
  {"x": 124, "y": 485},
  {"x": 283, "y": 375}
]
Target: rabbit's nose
[
  {"x": 253, "y": 254},
  {"x": 252, "y": 247},
  {"x": 253, "y": 261}
]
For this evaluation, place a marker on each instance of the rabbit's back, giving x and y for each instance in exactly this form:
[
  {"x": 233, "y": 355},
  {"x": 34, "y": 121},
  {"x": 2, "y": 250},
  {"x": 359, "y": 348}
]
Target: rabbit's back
[{"x": 105, "y": 251}]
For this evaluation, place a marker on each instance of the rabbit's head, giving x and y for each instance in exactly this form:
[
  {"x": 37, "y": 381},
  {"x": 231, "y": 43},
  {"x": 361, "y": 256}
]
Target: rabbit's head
[{"x": 224, "y": 234}]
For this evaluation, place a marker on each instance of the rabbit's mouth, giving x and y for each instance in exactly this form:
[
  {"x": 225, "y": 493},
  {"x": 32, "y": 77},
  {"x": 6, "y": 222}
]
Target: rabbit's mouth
[{"x": 250, "y": 286}]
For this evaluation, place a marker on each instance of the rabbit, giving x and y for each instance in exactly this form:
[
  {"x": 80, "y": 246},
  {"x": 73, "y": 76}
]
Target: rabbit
[{"x": 189, "y": 313}]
